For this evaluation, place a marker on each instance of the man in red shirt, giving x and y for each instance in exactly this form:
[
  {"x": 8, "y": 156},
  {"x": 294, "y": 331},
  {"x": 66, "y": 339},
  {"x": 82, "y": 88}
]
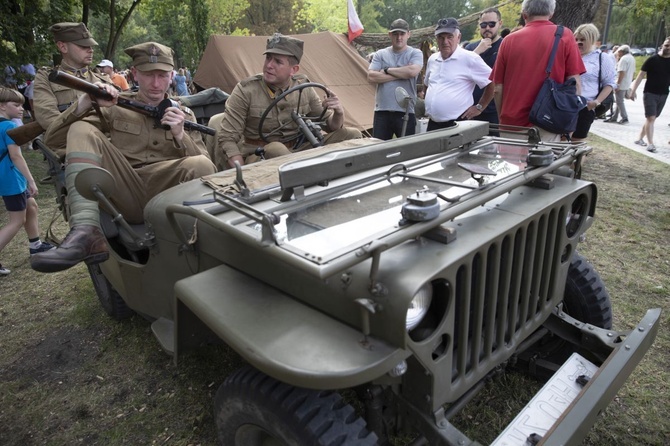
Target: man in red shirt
[{"x": 520, "y": 68}]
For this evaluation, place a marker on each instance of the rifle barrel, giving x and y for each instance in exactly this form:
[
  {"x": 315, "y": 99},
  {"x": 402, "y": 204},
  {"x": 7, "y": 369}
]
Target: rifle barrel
[{"x": 67, "y": 80}]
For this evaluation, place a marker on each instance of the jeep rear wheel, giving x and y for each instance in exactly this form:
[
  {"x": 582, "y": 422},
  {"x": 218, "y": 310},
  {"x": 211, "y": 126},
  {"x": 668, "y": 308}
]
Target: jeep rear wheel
[
  {"x": 109, "y": 298},
  {"x": 253, "y": 409}
]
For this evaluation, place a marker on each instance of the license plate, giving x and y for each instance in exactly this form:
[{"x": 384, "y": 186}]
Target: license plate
[{"x": 548, "y": 404}]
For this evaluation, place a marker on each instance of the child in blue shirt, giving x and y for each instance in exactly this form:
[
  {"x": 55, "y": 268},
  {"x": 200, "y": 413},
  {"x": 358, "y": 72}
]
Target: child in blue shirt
[{"x": 17, "y": 186}]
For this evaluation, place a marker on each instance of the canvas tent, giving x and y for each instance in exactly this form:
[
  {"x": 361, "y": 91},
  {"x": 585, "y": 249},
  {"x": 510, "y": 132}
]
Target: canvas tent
[{"x": 328, "y": 59}]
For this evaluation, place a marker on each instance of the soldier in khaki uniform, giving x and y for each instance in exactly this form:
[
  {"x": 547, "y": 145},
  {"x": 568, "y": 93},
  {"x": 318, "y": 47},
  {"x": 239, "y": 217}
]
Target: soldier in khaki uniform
[
  {"x": 238, "y": 136},
  {"x": 143, "y": 158},
  {"x": 76, "y": 47}
]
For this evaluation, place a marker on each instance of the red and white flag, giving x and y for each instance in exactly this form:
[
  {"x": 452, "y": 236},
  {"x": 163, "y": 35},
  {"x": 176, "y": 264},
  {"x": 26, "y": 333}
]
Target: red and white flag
[{"x": 355, "y": 25}]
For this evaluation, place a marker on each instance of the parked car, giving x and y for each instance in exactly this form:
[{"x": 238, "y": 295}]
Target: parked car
[
  {"x": 636, "y": 52},
  {"x": 649, "y": 51}
]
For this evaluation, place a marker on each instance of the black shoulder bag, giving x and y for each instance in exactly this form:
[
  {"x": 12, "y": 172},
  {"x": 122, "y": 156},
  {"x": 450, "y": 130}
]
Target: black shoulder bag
[{"x": 556, "y": 106}]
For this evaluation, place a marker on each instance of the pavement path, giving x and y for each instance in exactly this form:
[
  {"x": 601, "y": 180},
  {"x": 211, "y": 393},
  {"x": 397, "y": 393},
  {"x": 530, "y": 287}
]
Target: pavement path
[{"x": 626, "y": 134}]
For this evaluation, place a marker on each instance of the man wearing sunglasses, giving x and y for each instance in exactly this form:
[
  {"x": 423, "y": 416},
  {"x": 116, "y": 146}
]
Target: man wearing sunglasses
[{"x": 490, "y": 22}]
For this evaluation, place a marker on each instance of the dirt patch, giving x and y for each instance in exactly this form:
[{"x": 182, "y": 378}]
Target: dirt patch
[{"x": 55, "y": 357}]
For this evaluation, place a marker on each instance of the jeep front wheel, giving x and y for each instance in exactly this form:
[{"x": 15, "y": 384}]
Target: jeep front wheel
[
  {"x": 109, "y": 298},
  {"x": 253, "y": 409}
]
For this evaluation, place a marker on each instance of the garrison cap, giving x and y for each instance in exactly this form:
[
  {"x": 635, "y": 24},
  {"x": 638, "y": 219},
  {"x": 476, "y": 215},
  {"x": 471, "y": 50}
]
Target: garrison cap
[
  {"x": 151, "y": 56},
  {"x": 288, "y": 46},
  {"x": 76, "y": 33}
]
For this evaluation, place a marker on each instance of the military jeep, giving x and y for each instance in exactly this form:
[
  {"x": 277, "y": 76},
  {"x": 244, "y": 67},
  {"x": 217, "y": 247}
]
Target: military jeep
[{"x": 408, "y": 273}]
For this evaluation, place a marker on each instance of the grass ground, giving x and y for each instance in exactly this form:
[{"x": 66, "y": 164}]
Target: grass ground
[{"x": 69, "y": 375}]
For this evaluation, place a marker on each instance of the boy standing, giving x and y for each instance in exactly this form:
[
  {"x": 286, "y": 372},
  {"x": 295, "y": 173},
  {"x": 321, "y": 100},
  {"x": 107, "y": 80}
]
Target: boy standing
[{"x": 17, "y": 186}]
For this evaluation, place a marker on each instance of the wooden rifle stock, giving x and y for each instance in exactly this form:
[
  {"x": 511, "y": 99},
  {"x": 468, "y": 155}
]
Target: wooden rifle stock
[
  {"x": 25, "y": 133},
  {"x": 67, "y": 80}
]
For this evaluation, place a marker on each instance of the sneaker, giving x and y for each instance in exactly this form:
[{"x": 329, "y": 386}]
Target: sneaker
[
  {"x": 651, "y": 148},
  {"x": 623, "y": 121},
  {"x": 640, "y": 142},
  {"x": 4, "y": 271},
  {"x": 44, "y": 246}
]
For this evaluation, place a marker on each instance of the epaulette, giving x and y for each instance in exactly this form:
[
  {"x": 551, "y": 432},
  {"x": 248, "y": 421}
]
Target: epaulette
[
  {"x": 300, "y": 78},
  {"x": 250, "y": 79}
]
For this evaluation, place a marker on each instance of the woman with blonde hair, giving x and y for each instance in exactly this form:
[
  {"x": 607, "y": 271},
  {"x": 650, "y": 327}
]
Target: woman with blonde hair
[
  {"x": 598, "y": 81},
  {"x": 180, "y": 81}
]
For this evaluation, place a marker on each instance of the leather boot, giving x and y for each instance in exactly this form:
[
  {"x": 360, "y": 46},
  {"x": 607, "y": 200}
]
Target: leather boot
[{"x": 83, "y": 242}]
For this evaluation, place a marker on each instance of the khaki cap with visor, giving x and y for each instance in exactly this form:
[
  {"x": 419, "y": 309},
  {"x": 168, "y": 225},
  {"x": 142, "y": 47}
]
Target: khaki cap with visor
[
  {"x": 76, "y": 33},
  {"x": 288, "y": 46},
  {"x": 151, "y": 56}
]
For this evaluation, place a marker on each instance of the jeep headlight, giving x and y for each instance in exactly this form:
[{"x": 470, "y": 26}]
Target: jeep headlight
[{"x": 418, "y": 307}]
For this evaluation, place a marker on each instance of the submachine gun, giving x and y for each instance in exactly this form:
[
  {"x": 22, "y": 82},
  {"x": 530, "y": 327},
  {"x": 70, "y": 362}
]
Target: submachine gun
[{"x": 156, "y": 112}]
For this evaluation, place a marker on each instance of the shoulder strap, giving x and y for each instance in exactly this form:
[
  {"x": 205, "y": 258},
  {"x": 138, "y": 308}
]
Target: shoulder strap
[
  {"x": 600, "y": 70},
  {"x": 2, "y": 119},
  {"x": 552, "y": 56}
]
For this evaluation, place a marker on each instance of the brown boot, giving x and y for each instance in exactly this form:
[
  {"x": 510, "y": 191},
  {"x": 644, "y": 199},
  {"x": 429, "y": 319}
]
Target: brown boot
[{"x": 83, "y": 242}]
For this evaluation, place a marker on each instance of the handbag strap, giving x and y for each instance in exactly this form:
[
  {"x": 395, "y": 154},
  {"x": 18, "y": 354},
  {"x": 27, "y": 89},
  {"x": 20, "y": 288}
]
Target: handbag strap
[
  {"x": 552, "y": 56},
  {"x": 600, "y": 70}
]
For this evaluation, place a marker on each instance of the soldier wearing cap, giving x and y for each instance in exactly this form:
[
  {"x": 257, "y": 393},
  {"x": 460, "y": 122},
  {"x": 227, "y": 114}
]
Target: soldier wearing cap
[
  {"x": 75, "y": 45},
  {"x": 144, "y": 159},
  {"x": 395, "y": 66},
  {"x": 238, "y": 138},
  {"x": 451, "y": 76}
]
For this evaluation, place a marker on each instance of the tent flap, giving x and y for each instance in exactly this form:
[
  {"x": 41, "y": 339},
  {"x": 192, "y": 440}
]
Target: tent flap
[{"x": 328, "y": 59}]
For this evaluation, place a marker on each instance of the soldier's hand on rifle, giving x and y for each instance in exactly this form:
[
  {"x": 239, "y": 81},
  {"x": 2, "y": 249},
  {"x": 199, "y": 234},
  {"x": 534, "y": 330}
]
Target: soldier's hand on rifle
[
  {"x": 174, "y": 118},
  {"x": 85, "y": 101}
]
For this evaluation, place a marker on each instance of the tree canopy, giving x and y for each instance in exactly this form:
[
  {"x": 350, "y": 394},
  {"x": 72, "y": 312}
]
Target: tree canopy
[{"x": 185, "y": 25}]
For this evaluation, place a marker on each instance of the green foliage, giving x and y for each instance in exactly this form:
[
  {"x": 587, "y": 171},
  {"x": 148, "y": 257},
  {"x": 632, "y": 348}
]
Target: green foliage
[{"x": 224, "y": 15}]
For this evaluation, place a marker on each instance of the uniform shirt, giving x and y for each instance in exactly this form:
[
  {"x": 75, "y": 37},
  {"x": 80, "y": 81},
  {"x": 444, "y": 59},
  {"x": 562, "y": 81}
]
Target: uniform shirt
[
  {"x": 658, "y": 74},
  {"x": 134, "y": 134},
  {"x": 12, "y": 181},
  {"x": 387, "y": 58},
  {"x": 50, "y": 100},
  {"x": 245, "y": 106},
  {"x": 450, "y": 83}
]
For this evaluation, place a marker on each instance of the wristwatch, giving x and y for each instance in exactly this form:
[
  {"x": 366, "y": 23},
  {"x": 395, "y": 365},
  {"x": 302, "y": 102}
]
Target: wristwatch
[
  {"x": 479, "y": 107},
  {"x": 386, "y": 70}
]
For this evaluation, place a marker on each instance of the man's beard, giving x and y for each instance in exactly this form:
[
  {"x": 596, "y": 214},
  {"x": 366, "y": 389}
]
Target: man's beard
[{"x": 493, "y": 36}]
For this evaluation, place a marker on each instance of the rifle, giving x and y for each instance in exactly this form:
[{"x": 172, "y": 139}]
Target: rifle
[
  {"x": 25, "y": 133},
  {"x": 156, "y": 112}
]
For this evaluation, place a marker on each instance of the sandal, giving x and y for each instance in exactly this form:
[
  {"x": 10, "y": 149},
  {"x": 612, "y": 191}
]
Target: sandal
[{"x": 640, "y": 142}]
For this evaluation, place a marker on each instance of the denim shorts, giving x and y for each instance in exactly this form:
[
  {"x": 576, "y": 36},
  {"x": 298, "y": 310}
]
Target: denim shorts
[
  {"x": 16, "y": 203},
  {"x": 653, "y": 104}
]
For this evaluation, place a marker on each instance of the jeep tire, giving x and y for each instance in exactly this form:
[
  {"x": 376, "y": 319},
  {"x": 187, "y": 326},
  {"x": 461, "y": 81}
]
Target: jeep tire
[
  {"x": 252, "y": 409},
  {"x": 109, "y": 298}
]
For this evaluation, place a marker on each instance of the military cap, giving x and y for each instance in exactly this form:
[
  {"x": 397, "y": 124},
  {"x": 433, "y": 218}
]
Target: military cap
[
  {"x": 76, "y": 33},
  {"x": 151, "y": 56},
  {"x": 288, "y": 46}
]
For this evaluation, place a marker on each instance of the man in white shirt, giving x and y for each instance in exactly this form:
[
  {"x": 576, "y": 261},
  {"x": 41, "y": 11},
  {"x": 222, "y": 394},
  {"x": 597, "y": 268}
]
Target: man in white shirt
[
  {"x": 625, "y": 72},
  {"x": 451, "y": 76}
]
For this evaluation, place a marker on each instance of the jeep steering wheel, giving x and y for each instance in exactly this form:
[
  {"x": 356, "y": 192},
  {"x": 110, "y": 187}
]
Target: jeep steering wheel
[{"x": 297, "y": 117}]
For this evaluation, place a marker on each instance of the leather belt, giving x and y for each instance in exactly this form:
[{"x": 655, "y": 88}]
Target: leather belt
[{"x": 261, "y": 143}]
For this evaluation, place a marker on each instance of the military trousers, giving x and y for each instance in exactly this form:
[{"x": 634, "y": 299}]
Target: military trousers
[{"x": 135, "y": 185}]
